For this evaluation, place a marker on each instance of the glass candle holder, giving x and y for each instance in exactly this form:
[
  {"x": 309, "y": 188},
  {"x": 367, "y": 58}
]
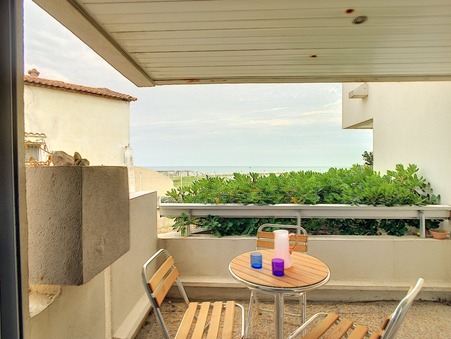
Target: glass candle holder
[
  {"x": 277, "y": 267},
  {"x": 256, "y": 260}
]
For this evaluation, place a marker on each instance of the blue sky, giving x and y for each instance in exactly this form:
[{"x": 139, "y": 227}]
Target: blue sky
[{"x": 206, "y": 125}]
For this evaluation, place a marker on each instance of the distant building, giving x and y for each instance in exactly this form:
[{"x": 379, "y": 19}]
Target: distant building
[
  {"x": 59, "y": 116},
  {"x": 94, "y": 122}
]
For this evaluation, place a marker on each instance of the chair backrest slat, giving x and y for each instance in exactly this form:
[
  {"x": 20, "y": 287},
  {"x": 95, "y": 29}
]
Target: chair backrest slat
[
  {"x": 264, "y": 244},
  {"x": 266, "y": 240},
  {"x": 165, "y": 286},
  {"x": 161, "y": 273},
  {"x": 162, "y": 280}
]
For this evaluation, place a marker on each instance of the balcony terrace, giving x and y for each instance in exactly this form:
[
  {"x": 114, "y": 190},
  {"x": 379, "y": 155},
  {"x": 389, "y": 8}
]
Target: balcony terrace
[
  {"x": 363, "y": 269},
  {"x": 156, "y": 43}
]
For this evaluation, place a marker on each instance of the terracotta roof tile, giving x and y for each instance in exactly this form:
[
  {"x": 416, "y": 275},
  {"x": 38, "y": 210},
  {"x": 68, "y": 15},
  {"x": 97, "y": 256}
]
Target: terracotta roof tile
[{"x": 103, "y": 92}]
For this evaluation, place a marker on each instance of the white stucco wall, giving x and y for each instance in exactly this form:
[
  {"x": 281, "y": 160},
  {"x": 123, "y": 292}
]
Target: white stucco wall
[
  {"x": 129, "y": 302},
  {"x": 354, "y": 110},
  {"x": 385, "y": 264},
  {"x": 149, "y": 180},
  {"x": 96, "y": 127},
  {"x": 79, "y": 312},
  {"x": 411, "y": 124}
]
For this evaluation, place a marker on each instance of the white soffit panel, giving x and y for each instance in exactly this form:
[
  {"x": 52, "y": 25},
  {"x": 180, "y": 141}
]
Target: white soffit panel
[{"x": 159, "y": 42}]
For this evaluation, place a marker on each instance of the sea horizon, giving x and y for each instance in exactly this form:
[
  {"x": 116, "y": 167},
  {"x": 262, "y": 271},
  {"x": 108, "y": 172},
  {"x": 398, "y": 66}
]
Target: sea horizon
[{"x": 215, "y": 170}]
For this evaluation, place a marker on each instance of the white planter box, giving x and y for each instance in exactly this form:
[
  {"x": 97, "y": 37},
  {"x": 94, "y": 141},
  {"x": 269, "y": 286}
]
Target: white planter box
[{"x": 362, "y": 267}]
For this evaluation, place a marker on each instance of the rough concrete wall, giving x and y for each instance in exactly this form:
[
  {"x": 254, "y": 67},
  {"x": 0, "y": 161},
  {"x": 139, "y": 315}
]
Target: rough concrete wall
[
  {"x": 78, "y": 221},
  {"x": 84, "y": 311},
  {"x": 55, "y": 225},
  {"x": 106, "y": 218}
]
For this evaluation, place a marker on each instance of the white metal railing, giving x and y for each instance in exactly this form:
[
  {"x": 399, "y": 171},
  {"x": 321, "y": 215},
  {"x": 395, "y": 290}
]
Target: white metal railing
[{"x": 324, "y": 211}]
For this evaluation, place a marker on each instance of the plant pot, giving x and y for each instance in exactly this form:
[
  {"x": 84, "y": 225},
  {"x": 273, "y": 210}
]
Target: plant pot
[{"x": 439, "y": 234}]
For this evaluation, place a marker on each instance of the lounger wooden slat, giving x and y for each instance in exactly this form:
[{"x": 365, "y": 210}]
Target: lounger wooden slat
[
  {"x": 322, "y": 327},
  {"x": 201, "y": 320},
  {"x": 187, "y": 321},
  {"x": 340, "y": 329},
  {"x": 359, "y": 332},
  {"x": 229, "y": 315},
  {"x": 213, "y": 329}
]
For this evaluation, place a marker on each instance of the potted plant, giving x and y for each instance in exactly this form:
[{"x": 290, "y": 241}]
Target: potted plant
[{"x": 439, "y": 234}]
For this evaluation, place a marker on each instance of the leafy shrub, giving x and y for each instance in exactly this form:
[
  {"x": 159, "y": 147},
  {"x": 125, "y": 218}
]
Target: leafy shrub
[{"x": 359, "y": 185}]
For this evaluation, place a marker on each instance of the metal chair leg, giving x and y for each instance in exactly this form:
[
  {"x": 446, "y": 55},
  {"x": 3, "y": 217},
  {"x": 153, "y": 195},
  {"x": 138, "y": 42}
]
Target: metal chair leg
[{"x": 249, "y": 315}]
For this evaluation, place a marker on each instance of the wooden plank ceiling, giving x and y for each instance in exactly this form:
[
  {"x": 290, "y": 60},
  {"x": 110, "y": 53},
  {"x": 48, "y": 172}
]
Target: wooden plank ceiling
[{"x": 160, "y": 42}]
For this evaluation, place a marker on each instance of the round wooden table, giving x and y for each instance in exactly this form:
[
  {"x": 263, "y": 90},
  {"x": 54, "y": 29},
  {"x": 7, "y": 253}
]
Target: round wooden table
[{"x": 307, "y": 273}]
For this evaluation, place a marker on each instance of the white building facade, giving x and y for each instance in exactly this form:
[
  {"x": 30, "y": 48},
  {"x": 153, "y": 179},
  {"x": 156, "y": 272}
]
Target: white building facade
[
  {"x": 411, "y": 124},
  {"x": 73, "y": 118}
]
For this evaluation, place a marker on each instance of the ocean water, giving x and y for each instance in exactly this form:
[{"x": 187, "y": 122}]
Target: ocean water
[{"x": 229, "y": 170}]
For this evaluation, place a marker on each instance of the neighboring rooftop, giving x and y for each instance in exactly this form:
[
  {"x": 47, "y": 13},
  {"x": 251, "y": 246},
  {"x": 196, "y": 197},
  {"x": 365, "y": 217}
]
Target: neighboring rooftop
[{"x": 33, "y": 79}]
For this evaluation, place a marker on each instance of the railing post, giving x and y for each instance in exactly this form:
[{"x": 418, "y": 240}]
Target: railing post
[
  {"x": 298, "y": 217},
  {"x": 188, "y": 227},
  {"x": 422, "y": 224}
]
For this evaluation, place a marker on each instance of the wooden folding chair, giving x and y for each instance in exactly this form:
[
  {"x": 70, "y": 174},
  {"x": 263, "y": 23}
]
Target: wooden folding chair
[
  {"x": 332, "y": 326},
  {"x": 265, "y": 240},
  {"x": 203, "y": 319}
]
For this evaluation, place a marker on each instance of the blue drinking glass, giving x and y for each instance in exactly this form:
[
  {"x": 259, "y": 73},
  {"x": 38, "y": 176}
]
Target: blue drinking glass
[{"x": 256, "y": 260}]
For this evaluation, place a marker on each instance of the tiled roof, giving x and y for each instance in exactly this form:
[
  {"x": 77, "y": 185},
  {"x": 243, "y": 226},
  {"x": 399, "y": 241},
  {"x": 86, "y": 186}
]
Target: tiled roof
[{"x": 103, "y": 92}]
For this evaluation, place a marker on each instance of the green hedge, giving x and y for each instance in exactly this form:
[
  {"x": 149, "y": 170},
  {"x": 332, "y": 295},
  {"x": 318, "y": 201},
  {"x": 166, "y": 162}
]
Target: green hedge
[{"x": 359, "y": 185}]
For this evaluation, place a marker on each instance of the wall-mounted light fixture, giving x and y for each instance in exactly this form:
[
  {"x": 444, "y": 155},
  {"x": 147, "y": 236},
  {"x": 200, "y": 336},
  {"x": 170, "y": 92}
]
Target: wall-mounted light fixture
[{"x": 359, "y": 20}]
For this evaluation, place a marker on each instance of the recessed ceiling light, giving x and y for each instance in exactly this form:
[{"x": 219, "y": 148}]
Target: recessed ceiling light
[{"x": 359, "y": 20}]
